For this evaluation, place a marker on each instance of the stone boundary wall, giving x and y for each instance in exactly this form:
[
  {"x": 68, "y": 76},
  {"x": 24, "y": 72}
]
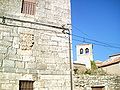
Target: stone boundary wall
[{"x": 85, "y": 82}]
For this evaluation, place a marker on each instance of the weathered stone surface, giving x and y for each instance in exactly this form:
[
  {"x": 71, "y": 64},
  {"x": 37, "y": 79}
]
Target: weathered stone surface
[
  {"x": 8, "y": 63},
  {"x": 24, "y": 53},
  {"x": 7, "y": 38},
  {"x": 33, "y": 71},
  {"x": 15, "y": 42},
  {"x": 41, "y": 66},
  {"x": 15, "y": 57},
  {"x": 5, "y": 33},
  {"x": 1, "y": 35},
  {"x": 9, "y": 70},
  {"x": 12, "y": 51},
  {"x": 3, "y": 49},
  {"x": 6, "y": 86},
  {"x": 21, "y": 70},
  {"x": 30, "y": 65},
  {"x": 31, "y": 51},
  {"x": 1, "y": 69},
  {"x": 5, "y": 43},
  {"x": 28, "y": 58},
  {"x": 87, "y": 81},
  {"x": 15, "y": 31},
  {"x": 2, "y": 56},
  {"x": 19, "y": 64}
]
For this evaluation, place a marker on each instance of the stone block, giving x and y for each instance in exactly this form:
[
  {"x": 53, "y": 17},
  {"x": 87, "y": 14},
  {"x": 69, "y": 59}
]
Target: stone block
[
  {"x": 30, "y": 65},
  {"x": 12, "y": 51},
  {"x": 4, "y": 81},
  {"x": 55, "y": 38},
  {"x": 3, "y": 50},
  {"x": 8, "y": 38},
  {"x": 15, "y": 57},
  {"x": 12, "y": 82},
  {"x": 50, "y": 60},
  {"x": 1, "y": 36},
  {"x": 41, "y": 66},
  {"x": 24, "y": 52},
  {"x": 26, "y": 24},
  {"x": 9, "y": 70},
  {"x": 28, "y": 58},
  {"x": 53, "y": 43},
  {"x": 1, "y": 69},
  {"x": 15, "y": 42},
  {"x": 2, "y": 56},
  {"x": 5, "y": 33},
  {"x": 33, "y": 71},
  {"x": 8, "y": 63},
  {"x": 36, "y": 53},
  {"x": 6, "y": 86},
  {"x": 42, "y": 42},
  {"x": 1, "y": 63},
  {"x": 19, "y": 64},
  {"x": 45, "y": 37},
  {"x": 21, "y": 70},
  {"x": 5, "y": 43},
  {"x": 51, "y": 66},
  {"x": 15, "y": 32}
]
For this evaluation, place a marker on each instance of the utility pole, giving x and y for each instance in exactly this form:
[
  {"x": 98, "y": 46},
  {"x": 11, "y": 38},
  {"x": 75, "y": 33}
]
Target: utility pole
[{"x": 71, "y": 73}]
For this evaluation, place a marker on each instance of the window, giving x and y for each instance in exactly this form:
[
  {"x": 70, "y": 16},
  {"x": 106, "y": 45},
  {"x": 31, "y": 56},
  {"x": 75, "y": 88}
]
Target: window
[
  {"x": 25, "y": 85},
  {"x": 86, "y": 50},
  {"x": 28, "y": 7},
  {"x": 81, "y": 51}
]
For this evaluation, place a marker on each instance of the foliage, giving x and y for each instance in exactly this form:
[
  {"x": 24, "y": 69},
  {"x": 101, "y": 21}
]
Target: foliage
[
  {"x": 75, "y": 71},
  {"x": 78, "y": 71},
  {"x": 95, "y": 70},
  {"x": 93, "y": 65}
]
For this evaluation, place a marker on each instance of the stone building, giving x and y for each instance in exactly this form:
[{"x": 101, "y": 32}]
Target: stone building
[
  {"x": 112, "y": 65},
  {"x": 33, "y": 50},
  {"x": 84, "y": 54}
]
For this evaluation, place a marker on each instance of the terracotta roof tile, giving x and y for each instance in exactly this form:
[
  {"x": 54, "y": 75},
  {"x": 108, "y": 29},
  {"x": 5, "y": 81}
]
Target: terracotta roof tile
[{"x": 110, "y": 62}]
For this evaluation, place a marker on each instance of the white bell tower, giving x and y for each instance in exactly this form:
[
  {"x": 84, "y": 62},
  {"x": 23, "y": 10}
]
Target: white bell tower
[{"x": 84, "y": 54}]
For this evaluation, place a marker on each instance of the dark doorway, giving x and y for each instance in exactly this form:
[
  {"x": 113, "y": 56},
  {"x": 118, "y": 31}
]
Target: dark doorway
[{"x": 97, "y": 88}]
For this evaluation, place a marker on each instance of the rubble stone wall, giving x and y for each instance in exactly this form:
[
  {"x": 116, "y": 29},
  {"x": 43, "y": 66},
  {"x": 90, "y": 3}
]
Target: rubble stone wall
[{"x": 86, "y": 82}]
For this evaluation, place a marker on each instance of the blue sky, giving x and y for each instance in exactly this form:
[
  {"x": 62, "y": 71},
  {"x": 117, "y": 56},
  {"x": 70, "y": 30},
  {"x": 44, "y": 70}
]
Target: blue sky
[{"x": 100, "y": 20}]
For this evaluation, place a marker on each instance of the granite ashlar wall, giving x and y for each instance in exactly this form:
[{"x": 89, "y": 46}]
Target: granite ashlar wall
[
  {"x": 57, "y": 12},
  {"x": 32, "y": 51}
]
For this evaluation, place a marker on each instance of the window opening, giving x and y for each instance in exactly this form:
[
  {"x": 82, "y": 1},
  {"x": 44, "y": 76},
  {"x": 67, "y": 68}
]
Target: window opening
[
  {"x": 28, "y": 7},
  {"x": 25, "y": 85},
  {"x": 86, "y": 50},
  {"x": 81, "y": 51},
  {"x": 98, "y": 88}
]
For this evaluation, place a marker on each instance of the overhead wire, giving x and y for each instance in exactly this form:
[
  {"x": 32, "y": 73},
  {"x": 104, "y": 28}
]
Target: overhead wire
[
  {"x": 93, "y": 40},
  {"x": 80, "y": 30}
]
